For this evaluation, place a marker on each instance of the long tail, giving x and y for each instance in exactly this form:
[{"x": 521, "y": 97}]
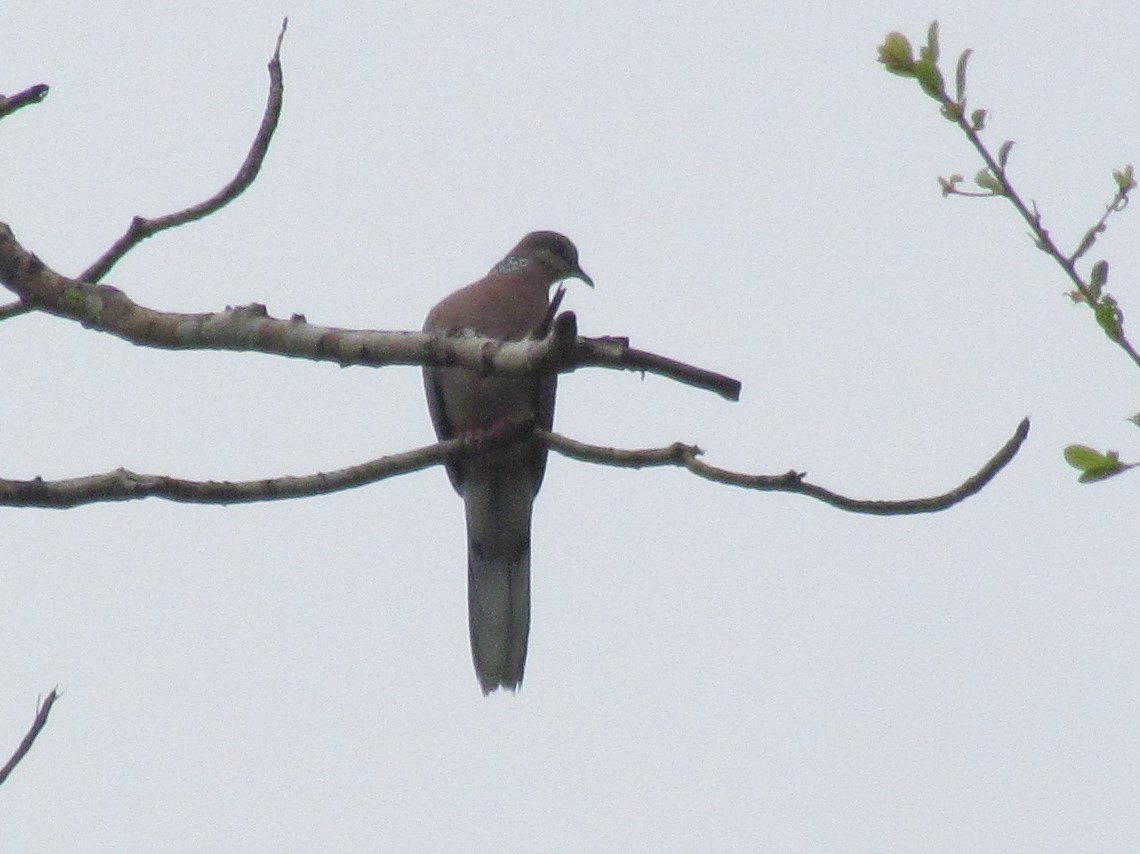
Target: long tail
[{"x": 498, "y": 576}]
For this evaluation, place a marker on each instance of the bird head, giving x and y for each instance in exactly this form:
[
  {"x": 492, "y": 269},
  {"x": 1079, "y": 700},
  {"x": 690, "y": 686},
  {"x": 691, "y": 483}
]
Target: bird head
[{"x": 555, "y": 253}]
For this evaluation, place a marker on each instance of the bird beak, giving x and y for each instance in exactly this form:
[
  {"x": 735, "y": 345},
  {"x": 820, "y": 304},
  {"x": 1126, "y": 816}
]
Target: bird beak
[{"x": 579, "y": 273}]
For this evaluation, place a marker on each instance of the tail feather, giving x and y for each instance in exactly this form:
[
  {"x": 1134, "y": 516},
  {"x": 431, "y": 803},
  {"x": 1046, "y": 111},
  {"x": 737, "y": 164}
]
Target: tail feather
[
  {"x": 498, "y": 577},
  {"x": 498, "y": 599}
]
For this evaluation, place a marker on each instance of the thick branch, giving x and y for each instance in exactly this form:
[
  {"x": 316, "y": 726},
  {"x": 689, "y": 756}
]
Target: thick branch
[
  {"x": 124, "y": 485},
  {"x": 141, "y": 228},
  {"x": 685, "y": 456},
  {"x": 251, "y": 329},
  {"x": 32, "y": 95},
  {"x": 29, "y": 739}
]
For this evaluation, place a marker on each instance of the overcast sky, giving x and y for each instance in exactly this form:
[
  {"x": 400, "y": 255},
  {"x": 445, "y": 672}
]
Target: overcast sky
[{"x": 710, "y": 669}]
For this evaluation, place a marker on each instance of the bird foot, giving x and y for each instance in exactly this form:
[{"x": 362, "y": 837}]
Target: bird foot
[{"x": 480, "y": 438}]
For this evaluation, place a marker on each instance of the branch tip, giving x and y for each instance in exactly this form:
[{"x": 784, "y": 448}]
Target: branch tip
[
  {"x": 32, "y": 95},
  {"x": 280, "y": 38},
  {"x": 40, "y": 721}
]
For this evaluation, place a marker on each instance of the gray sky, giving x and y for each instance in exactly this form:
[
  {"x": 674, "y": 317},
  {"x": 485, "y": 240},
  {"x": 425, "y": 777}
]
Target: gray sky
[{"x": 710, "y": 669}]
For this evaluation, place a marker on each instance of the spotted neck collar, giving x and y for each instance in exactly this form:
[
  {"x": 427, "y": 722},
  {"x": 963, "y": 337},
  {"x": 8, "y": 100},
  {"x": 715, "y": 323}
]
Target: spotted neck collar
[{"x": 510, "y": 264}]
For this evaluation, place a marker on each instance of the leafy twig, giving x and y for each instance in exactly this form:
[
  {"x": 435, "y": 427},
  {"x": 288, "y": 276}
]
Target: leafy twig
[
  {"x": 898, "y": 57},
  {"x": 1094, "y": 465},
  {"x": 993, "y": 181}
]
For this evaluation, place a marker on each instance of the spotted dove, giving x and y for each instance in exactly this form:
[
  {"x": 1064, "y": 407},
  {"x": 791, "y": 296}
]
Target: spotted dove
[{"x": 498, "y": 487}]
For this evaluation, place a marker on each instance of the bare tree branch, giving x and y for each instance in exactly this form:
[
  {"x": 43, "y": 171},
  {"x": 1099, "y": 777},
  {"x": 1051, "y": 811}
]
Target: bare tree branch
[
  {"x": 32, "y": 95},
  {"x": 685, "y": 456},
  {"x": 124, "y": 485},
  {"x": 141, "y": 228},
  {"x": 14, "y": 309},
  {"x": 612, "y": 352},
  {"x": 29, "y": 739},
  {"x": 251, "y": 329}
]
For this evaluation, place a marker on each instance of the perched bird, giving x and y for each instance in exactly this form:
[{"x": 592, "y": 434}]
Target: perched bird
[{"x": 499, "y": 487}]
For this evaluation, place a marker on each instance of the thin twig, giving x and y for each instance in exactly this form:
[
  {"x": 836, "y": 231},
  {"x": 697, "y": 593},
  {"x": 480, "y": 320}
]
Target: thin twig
[
  {"x": 141, "y": 228},
  {"x": 1118, "y": 203},
  {"x": 685, "y": 456},
  {"x": 29, "y": 739},
  {"x": 32, "y": 95},
  {"x": 1033, "y": 217}
]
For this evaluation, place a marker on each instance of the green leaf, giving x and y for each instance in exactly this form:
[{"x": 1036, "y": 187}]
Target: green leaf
[
  {"x": 1095, "y": 474},
  {"x": 987, "y": 181},
  {"x": 930, "y": 79},
  {"x": 952, "y": 111},
  {"x": 1083, "y": 457},
  {"x": 1098, "y": 278},
  {"x": 1124, "y": 179},
  {"x": 1108, "y": 316},
  {"x": 896, "y": 54},
  {"x": 1003, "y": 152},
  {"x": 931, "y": 50},
  {"x": 1094, "y": 465},
  {"x": 978, "y": 119},
  {"x": 960, "y": 77}
]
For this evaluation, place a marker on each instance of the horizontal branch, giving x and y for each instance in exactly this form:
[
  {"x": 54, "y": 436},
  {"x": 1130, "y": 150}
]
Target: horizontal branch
[
  {"x": 250, "y": 328},
  {"x": 37, "y": 725},
  {"x": 685, "y": 456},
  {"x": 124, "y": 485},
  {"x": 32, "y": 95}
]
